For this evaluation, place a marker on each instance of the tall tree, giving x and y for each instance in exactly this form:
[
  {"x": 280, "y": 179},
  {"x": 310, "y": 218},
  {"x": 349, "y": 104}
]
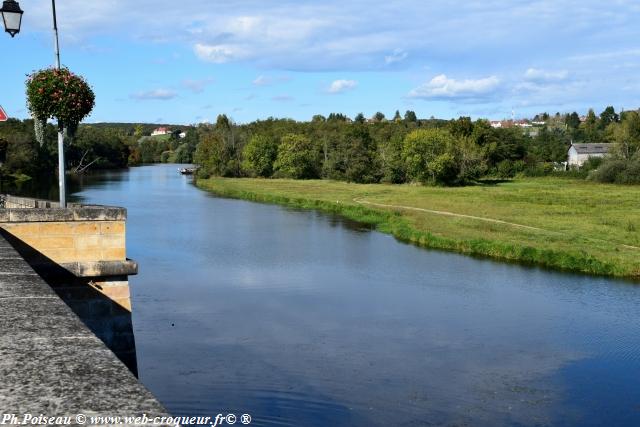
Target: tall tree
[
  {"x": 573, "y": 120},
  {"x": 211, "y": 155},
  {"x": 378, "y": 117},
  {"x": 297, "y": 158},
  {"x": 232, "y": 147},
  {"x": 361, "y": 156},
  {"x": 259, "y": 155},
  {"x": 429, "y": 157},
  {"x": 608, "y": 116},
  {"x": 590, "y": 128},
  {"x": 410, "y": 116},
  {"x": 463, "y": 126}
]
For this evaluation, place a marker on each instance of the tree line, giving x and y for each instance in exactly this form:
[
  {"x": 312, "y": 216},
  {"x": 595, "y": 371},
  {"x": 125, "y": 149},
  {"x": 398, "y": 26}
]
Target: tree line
[
  {"x": 399, "y": 150},
  {"x": 94, "y": 146},
  {"x": 406, "y": 149}
]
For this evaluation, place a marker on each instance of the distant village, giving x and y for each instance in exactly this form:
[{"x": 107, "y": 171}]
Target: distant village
[{"x": 166, "y": 131}]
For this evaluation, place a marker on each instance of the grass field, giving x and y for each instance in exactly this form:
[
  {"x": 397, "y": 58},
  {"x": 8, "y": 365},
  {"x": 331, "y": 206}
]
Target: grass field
[{"x": 558, "y": 223}]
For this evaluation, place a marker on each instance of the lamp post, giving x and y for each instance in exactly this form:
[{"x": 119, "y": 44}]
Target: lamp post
[
  {"x": 12, "y": 19},
  {"x": 61, "y": 168}
]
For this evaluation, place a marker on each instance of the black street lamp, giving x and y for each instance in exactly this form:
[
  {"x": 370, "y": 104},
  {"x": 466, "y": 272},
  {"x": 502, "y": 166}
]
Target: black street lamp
[{"x": 11, "y": 16}]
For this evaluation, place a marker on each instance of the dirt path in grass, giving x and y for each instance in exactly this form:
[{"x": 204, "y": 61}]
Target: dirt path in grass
[{"x": 479, "y": 218}]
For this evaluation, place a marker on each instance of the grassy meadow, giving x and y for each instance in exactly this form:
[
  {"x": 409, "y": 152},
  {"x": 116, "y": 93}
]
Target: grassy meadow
[{"x": 566, "y": 224}]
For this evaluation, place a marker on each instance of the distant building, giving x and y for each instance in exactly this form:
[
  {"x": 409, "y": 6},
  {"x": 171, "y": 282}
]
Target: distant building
[
  {"x": 161, "y": 131},
  {"x": 580, "y": 153},
  {"x": 523, "y": 123},
  {"x": 499, "y": 124}
]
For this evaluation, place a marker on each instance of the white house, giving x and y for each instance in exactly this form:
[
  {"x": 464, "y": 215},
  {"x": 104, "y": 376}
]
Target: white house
[
  {"x": 161, "y": 131},
  {"x": 523, "y": 124},
  {"x": 580, "y": 153}
]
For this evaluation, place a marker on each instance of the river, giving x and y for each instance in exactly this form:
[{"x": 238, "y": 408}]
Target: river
[{"x": 304, "y": 319}]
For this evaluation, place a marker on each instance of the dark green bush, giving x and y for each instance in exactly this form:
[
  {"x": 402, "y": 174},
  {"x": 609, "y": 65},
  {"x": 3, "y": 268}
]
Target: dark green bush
[
  {"x": 609, "y": 171},
  {"x": 631, "y": 175},
  {"x": 539, "y": 169}
]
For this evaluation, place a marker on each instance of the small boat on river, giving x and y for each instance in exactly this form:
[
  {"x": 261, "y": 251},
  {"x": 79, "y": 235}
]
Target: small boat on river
[{"x": 187, "y": 171}]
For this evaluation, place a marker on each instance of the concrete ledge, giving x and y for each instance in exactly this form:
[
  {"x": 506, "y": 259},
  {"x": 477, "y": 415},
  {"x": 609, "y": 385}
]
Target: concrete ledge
[
  {"x": 23, "y": 209},
  {"x": 101, "y": 268},
  {"x": 63, "y": 215},
  {"x": 50, "y": 363}
]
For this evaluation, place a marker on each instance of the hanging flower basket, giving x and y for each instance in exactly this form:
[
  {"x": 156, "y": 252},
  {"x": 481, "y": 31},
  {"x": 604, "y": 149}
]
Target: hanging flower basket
[{"x": 58, "y": 94}]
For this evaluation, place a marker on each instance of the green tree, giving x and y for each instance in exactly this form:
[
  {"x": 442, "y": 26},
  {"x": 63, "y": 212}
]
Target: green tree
[
  {"x": 361, "y": 157},
  {"x": 428, "y": 156},
  {"x": 391, "y": 161},
  {"x": 573, "y": 120},
  {"x": 182, "y": 154},
  {"x": 461, "y": 127},
  {"x": 21, "y": 155},
  {"x": 608, "y": 116},
  {"x": 471, "y": 160},
  {"x": 625, "y": 135},
  {"x": 550, "y": 145},
  {"x": 139, "y": 131},
  {"x": 210, "y": 155},
  {"x": 505, "y": 144},
  {"x": 397, "y": 117},
  {"x": 231, "y": 151},
  {"x": 297, "y": 158},
  {"x": 259, "y": 155},
  {"x": 410, "y": 116},
  {"x": 339, "y": 117},
  {"x": 378, "y": 117},
  {"x": 95, "y": 147},
  {"x": 590, "y": 128}
]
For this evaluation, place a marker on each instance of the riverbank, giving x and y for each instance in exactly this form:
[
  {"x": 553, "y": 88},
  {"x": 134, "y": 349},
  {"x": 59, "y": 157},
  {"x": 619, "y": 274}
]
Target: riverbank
[{"x": 564, "y": 224}]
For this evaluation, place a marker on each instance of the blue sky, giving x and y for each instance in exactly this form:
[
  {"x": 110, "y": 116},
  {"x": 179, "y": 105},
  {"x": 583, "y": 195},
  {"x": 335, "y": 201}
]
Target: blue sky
[{"x": 186, "y": 62}]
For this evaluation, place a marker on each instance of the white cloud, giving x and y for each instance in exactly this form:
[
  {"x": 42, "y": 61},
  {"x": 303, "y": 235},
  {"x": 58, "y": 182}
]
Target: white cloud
[
  {"x": 442, "y": 87},
  {"x": 397, "y": 56},
  {"x": 608, "y": 55},
  {"x": 490, "y": 38},
  {"x": 218, "y": 54},
  {"x": 197, "y": 86},
  {"x": 262, "y": 81},
  {"x": 270, "y": 80},
  {"x": 536, "y": 75},
  {"x": 156, "y": 94},
  {"x": 340, "y": 86},
  {"x": 282, "y": 98},
  {"x": 356, "y": 34}
]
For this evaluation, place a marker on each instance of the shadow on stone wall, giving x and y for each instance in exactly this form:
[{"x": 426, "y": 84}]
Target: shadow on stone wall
[{"x": 106, "y": 319}]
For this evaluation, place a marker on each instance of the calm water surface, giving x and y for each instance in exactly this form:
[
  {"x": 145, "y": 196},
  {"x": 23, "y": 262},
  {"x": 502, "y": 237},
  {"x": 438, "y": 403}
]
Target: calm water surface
[{"x": 303, "y": 319}]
